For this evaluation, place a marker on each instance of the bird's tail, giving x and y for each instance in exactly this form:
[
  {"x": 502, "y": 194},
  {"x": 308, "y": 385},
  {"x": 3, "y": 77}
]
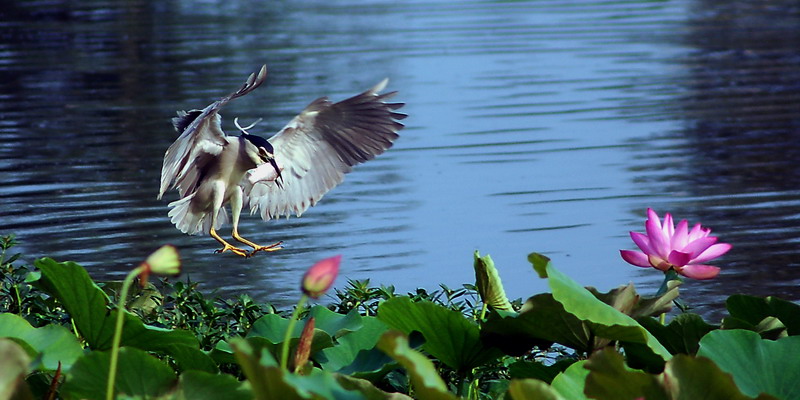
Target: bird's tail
[{"x": 190, "y": 222}]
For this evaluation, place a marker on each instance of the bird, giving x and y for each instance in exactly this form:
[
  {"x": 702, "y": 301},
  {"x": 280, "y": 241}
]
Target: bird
[{"x": 280, "y": 176}]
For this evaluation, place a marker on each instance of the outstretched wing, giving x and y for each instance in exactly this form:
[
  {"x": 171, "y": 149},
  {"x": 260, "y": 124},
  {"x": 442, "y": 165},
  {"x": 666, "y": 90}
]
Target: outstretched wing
[
  {"x": 319, "y": 146},
  {"x": 201, "y": 139}
]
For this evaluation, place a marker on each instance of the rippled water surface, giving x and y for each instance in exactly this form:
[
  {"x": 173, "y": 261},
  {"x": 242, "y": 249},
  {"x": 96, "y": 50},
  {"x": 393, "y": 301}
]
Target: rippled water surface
[{"x": 541, "y": 126}]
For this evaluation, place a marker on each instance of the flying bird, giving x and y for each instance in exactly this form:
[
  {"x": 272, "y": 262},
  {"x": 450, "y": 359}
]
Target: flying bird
[{"x": 280, "y": 176}]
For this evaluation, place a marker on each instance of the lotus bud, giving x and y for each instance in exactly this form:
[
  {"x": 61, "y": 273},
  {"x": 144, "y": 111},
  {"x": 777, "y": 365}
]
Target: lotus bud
[
  {"x": 164, "y": 261},
  {"x": 304, "y": 346},
  {"x": 319, "y": 278}
]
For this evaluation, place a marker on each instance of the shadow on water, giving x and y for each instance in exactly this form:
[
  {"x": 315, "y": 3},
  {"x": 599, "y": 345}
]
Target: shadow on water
[{"x": 534, "y": 126}]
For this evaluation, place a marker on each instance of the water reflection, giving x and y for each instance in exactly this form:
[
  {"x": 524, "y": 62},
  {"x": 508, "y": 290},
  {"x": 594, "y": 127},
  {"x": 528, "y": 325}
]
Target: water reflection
[
  {"x": 734, "y": 164},
  {"x": 534, "y": 126}
]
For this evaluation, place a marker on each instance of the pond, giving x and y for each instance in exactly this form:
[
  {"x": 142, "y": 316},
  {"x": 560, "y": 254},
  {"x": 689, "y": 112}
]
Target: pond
[{"x": 540, "y": 126}]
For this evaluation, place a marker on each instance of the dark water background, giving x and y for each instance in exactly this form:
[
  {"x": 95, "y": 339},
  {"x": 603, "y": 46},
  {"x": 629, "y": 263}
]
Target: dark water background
[{"x": 543, "y": 126}]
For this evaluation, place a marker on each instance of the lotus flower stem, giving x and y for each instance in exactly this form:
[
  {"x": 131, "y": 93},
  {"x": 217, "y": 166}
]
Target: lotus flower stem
[
  {"x": 288, "y": 337},
  {"x": 123, "y": 295},
  {"x": 74, "y": 328},
  {"x": 669, "y": 275}
]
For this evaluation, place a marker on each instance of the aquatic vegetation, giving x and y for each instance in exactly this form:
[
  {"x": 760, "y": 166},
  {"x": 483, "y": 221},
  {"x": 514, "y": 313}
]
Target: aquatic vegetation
[
  {"x": 58, "y": 329},
  {"x": 319, "y": 278},
  {"x": 666, "y": 247}
]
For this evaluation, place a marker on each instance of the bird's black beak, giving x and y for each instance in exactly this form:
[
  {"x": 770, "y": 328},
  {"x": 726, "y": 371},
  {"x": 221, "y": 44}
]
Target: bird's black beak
[{"x": 279, "y": 179}]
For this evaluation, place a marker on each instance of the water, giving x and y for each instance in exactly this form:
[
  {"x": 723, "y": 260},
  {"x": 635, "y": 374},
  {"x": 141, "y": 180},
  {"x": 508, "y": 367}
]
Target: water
[{"x": 533, "y": 126}]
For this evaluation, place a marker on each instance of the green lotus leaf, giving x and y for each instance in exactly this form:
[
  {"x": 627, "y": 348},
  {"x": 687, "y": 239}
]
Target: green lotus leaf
[
  {"x": 199, "y": 385},
  {"x": 268, "y": 381},
  {"x": 53, "y": 343},
  {"x": 89, "y": 307},
  {"x": 772, "y": 317},
  {"x": 138, "y": 374},
  {"x": 609, "y": 379},
  {"x": 536, "y": 370},
  {"x": 532, "y": 389},
  {"x": 607, "y": 322},
  {"x": 489, "y": 285},
  {"x": 757, "y": 365},
  {"x": 427, "y": 383},
  {"x": 355, "y": 352},
  {"x": 682, "y": 335},
  {"x": 449, "y": 336},
  {"x": 572, "y": 382}
]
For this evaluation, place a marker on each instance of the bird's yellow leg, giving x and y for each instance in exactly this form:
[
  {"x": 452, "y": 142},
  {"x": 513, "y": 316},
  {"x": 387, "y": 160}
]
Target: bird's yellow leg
[
  {"x": 256, "y": 248},
  {"x": 227, "y": 246},
  {"x": 236, "y": 210}
]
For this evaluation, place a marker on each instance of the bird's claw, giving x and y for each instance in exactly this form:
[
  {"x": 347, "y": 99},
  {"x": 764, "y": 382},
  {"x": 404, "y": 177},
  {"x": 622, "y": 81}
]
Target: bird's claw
[
  {"x": 234, "y": 250},
  {"x": 273, "y": 247}
]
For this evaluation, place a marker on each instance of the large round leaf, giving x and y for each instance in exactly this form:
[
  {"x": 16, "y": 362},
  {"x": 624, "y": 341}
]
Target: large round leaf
[
  {"x": 428, "y": 385},
  {"x": 684, "y": 378},
  {"x": 199, "y": 385},
  {"x": 355, "y": 352},
  {"x": 682, "y": 335},
  {"x": 268, "y": 381},
  {"x": 449, "y": 336},
  {"x": 607, "y": 322},
  {"x": 757, "y": 365},
  {"x": 531, "y": 389},
  {"x": 88, "y": 306},
  {"x": 53, "y": 343},
  {"x": 138, "y": 374}
]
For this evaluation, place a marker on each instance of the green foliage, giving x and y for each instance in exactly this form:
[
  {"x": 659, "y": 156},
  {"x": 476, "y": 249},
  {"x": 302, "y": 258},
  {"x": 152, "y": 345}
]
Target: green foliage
[
  {"x": 567, "y": 385},
  {"x": 757, "y": 365},
  {"x": 488, "y": 283},
  {"x": 427, "y": 383},
  {"x": 523, "y": 369},
  {"x": 355, "y": 352},
  {"x": 449, "y": 336},
  {"x": 602, "y": 319},
  {"x": 18, "y": 296},
  {"x": 268, "y": 381},
  {"x": 684, "y": 378},
  {"x": 771, "y": 317},
  {"x": 199, "y": 385},
  {"x": 570, "y": 383},
  {"x": 52, "y": 344},
  {"x": 56, "y": 326},
  {"x": 532, "y": 389},
  {"x": 89, "y": 306},
  {"x": 682, "y": 335},
  {"x": 139, "y": 374}
]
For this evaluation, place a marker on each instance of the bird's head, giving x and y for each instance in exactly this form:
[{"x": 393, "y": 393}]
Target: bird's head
[{"x": 260, "y": 150}]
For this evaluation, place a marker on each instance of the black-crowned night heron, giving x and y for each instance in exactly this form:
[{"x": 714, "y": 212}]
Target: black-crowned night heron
[{"x": 284, "y": 175}]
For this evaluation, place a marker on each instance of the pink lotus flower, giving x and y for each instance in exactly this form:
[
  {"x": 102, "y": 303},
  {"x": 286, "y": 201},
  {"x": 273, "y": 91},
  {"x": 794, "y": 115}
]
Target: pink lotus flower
[
  {"x": 319, "y": 278},
  {"x": 666, "y": 246}
]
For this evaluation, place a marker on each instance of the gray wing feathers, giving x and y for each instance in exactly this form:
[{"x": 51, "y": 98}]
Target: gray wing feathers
[
  {"x": 200, "y": 135},
  {"x": 319, "y": 146}
]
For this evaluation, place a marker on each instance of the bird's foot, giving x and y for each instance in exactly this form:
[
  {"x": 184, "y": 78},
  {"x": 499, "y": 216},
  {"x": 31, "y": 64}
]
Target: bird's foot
[
  {"x": 273, "y": 247},
  {"x": 234, "y": 250}
]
